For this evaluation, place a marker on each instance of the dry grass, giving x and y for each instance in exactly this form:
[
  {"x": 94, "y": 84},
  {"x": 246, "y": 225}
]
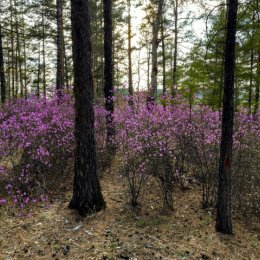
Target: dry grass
[{"x": 120, "y": 232}]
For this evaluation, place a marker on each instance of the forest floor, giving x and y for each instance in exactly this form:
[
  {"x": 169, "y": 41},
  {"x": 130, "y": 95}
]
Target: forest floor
[{"x": 53, "y": 231}]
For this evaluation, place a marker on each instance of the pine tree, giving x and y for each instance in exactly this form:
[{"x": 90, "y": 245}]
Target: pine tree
[
  {"x": 155, "y": 43},
  {"x": 87, "y": 197},
  {"x": 108, "y": 70},
  {"x": 224, "y": 218},
  {"x": 60, "y": 46}
]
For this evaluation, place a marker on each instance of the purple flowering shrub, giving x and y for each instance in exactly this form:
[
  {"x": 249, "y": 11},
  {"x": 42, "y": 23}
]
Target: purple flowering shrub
[
  {"x": 36, "y": 141},
  {"x": 169, "y": 142},
  {"x": 202, "y": 150},
  {"x": 246, "y": 165},
  {"x": 37, "y": 145}
]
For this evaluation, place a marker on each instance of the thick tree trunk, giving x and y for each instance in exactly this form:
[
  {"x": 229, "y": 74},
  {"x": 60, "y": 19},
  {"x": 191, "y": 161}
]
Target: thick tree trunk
[
  {"x": 60, "y": 48},
  {"x": 224, "y": 217},
  {"x": 108, "y": 69},
  {"x": 155, "y": 43},
  {"x": 87, "y": 197},
  {"x": 2, "y": 70}
]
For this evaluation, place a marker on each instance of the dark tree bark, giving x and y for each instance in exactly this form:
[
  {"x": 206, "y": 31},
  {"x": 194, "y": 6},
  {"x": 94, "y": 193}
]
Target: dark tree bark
[
  {"x": 60, "y": 47},
  {"x": 108, "y": 69},
  {"x": 2, "y": 71},
  {"x": 257, "y": 88},
  {"x": 155, "y": 43},
  {"x": 16, "y": 70},
  {"x": 39, "y": 73},
  {"x": 8, "y": 75},
  {"x": 87, "y": 197},
  {"x": 224, "y": 217}
]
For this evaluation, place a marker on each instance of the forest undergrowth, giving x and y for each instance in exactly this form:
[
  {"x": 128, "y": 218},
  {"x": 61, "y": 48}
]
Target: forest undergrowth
[
  {"x": 159, "y": 185},
  {"x": 49, "y": 230}
]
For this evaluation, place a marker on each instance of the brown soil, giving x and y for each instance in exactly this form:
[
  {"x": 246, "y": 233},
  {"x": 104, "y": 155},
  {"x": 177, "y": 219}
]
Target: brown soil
[{"x": 121, "y": 232}]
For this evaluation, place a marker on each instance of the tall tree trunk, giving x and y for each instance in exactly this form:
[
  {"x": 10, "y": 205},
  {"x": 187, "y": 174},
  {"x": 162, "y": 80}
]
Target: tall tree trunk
[
  {"x": 39, "y": 72},
  {"x": 224, "y": 216},
  {"x": 139, "y": 71},
  {"x": 25, "y": 64},
  {"x": 16, "y": 71},
  {"x": 155, "y": 43},
  {"x": 20, "y": 67},
  {"x": 251, "y": 66},
  {"x": 95, "y": 51},
  {"x": 117, "y": 75},
  {"x": 18, "y": 52},
  {"x": 9, "y": 74},
  {"x": 66, "y": 68},
  {"x": 257, "y": 88},
  {"x": 60, "y": 48},
  {"x": 87, "y": 197},
  {"x": 43, "y": 55},
  {"x": 2, "y": 70},
  {"x": 108, "y": 69},
  {"x": 101, "y": 57},
  {"x": 148, "y": 66},
  {"x": 251, "y": 80},
  {"x": 163, "y": 58},
  {"x": 130, "y": 76},
  {"x": 174, "y": 76},
  {"x": 220, "y": 85},
  {"x": 12, "y": 50}
]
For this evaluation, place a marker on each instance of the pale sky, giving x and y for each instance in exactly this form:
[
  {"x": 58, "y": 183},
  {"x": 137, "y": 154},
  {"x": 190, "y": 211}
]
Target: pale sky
[{"x": 198, "y": 27}]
